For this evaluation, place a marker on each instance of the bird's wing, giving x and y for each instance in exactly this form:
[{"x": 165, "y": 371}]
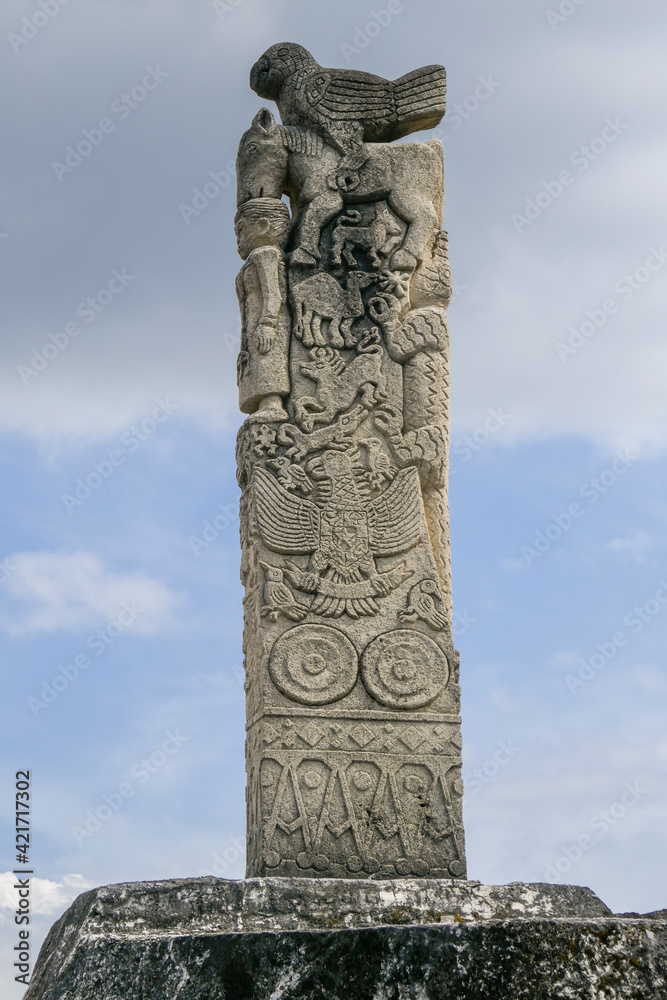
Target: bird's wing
[
  {"x": 352, "y": 96},
  {"x": 301, "y": 478},
  {"x": 282, "y": 593},
  {"x": 430, "y": 611},
  {"x": 286, "y": 523},
  {"x": 420, "y": 98},
  {"x": 396, "y": 516}
]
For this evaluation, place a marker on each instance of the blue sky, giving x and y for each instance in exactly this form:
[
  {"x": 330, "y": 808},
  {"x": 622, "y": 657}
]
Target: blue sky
[{"x": 555, "y": 205}]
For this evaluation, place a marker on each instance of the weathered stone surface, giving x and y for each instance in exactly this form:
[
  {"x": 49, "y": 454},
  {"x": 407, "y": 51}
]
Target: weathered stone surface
[
  {"x": 300, "y": 939},
  {"x": 354, "y": 746}
]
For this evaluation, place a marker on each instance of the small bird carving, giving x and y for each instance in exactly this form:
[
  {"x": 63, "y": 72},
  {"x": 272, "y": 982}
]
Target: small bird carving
[
  {"x": 279, "y": 598},
  {"x": 425, "y": 602},
  {"x": 344, "y": 106},
  {"x": 293, "y": 477},
  {"x": 380, "y": 465}
]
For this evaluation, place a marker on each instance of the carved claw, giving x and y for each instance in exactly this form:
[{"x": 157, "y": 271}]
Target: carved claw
[
  {"x": 382, "y": 587},
  {"x": 408, "y": 615}
]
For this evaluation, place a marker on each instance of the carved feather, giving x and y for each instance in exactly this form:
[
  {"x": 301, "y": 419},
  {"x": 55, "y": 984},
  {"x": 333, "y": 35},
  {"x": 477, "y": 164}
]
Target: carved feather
[
  {"x": 354, "y": 96},
  {"x": 420, "y": 96},
  {"x": 396, "y": 517},
  {"x": 287, "y": 523},
  {"x": 416, "y": 100}
]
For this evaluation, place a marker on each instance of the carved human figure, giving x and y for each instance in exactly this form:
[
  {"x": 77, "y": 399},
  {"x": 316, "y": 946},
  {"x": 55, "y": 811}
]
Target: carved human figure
[{"x": 262, "y": 225}]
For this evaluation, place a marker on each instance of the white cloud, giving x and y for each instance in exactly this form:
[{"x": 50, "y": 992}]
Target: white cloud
[
  {"x": 67, "y": 591},
  {"x": 168, "y": 332},
  {"x": 632, "y": 547},
  {"x": 46, "y": 896}
]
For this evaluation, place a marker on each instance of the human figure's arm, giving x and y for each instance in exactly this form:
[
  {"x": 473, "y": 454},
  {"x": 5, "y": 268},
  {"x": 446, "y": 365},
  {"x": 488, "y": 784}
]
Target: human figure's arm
[{"x": 268, "y": 271}]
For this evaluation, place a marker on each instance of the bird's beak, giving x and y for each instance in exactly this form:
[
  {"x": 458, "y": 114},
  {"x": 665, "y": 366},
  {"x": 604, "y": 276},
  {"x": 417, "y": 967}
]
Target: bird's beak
[{"x": 261, "y": 66}]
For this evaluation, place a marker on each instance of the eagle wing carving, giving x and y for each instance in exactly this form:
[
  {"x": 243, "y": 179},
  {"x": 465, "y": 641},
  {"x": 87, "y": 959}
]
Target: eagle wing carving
[
  {"x": 396, "y": 517},
  {"x": 287, "y": 523},
  {"x": 351, "y": 95}
]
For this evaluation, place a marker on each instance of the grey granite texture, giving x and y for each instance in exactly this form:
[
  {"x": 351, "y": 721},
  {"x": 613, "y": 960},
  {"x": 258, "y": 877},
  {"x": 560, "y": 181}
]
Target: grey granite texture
[{"x": 301, "y": 939}]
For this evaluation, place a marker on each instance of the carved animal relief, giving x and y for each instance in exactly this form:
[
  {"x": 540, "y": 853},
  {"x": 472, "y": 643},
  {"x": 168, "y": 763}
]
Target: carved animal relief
[{"x": 353, "y": 750}]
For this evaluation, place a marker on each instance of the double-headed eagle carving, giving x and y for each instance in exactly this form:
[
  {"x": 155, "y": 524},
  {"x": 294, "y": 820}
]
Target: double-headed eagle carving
[
  {"x": 343, "y": 536},
  {"x": 347, "y": 107}
]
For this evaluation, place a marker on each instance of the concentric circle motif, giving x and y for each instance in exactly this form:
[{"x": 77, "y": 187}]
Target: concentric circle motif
[
  {"x": 404, "y": 669},
  {"x": 313, "y": 664}
]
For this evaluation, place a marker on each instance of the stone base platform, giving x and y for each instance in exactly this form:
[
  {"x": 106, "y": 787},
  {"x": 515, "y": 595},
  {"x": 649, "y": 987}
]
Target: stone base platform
[{"x": 342, "y": 939}]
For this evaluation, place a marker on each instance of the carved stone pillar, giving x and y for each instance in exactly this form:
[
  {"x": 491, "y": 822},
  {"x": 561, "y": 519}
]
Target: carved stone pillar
[{"x": 353, "y": 748}]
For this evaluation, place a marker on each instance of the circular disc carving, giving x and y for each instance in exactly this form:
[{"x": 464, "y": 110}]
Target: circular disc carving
[
  {"x": 313, "y": 664},
  {"x": 404, "y": 669}
]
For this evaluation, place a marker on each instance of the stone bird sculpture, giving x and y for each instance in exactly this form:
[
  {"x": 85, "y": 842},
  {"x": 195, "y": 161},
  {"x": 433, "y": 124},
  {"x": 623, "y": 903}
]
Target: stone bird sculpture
[
  {"x": 345, "y": 106},
  {"x": 279, "y": 598},
  {"x": 425, "y": 602}
]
